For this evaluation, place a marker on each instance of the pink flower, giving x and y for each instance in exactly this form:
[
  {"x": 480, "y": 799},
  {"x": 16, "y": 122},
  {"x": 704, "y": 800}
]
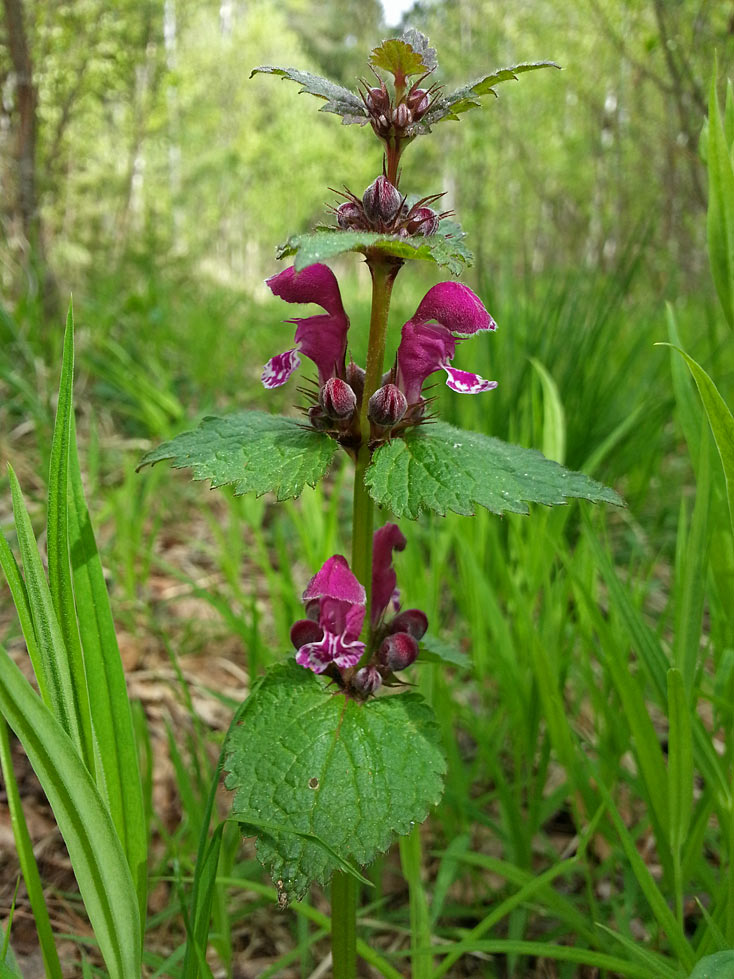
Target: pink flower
[
  {"x": 384, "y": 580},
  {"x": 427, "y": 343},
  {"x": 335, "y": 602},
  {"x": 323, "y": 339}
]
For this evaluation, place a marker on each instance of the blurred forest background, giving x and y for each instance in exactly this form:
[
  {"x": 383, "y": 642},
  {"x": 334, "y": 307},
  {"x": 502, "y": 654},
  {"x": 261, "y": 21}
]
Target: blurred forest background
[{"x": 134, "y": 151}]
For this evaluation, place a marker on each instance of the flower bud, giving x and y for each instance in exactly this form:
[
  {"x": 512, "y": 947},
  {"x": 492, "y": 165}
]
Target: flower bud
[
  {"x": 350, "y": 215},
  {"x": 412, "y": 621},
  {"x": 387, "y": 406},
  {"x": 355, "y": 379},
  {"x": 318, "y": 419},
  {"x": 367, "y": 680},
  {"x": 423, "y": 221},
  {"x": 337, "y": 399},
  {"x": 417, "y": 101},
  {"x": 402, "y": 117},
  {"x": 378, "y": 100},
  {"x": 398, "y": 651},
  {"x": 305, "y": 631},
  {"x": 381, "y": 201}
]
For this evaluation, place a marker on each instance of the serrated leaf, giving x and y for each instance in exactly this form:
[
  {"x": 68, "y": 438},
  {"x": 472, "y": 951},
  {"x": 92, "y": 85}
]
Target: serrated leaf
[
  {"x": 339, "y": 100},
  {"x": 315, "y": 764},
  {"x": 439, "y": 467},
  {"x": 435, "y": 650},
  {"x": 446, "y": 248},
  {"x": 253, "y": 451},
  {"x": 467, "y": 97},
  {"x": 405, "y": 56}
]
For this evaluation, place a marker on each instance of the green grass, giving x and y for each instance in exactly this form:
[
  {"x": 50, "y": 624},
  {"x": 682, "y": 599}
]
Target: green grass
[{"x": 587, "y": 810}]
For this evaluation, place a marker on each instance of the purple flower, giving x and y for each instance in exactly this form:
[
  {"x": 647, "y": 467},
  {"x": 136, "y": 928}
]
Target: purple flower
[
  {"x": 384, "y": 580},
  {"x": 323, "y": 339},
  {"x": 335, "y": 603},
  {"x": 427, "y": 341}
]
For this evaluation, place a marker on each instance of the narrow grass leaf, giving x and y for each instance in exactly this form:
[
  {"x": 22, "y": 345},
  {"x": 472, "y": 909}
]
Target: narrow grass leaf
[
  {"x": 649, "y": 888},
  {"x": 420, "y": 918},
  {"x": 720, "y": 215},
  {"x": 19, "y": 594},
  {"x": 554, "y": 417},
  {"x": 658, "y": 965},
  {"x": 688, "y": 406},
  {"x": 680, "y": 775},
  {"x": 57, "y": 674},
  {"x": 27, "y": 860},
  {"x": 119, "y": 776},
  {"x": 59, "y": 568},
  {"x": 719, "y": 416},
  {"x": 96, "y": 856}
]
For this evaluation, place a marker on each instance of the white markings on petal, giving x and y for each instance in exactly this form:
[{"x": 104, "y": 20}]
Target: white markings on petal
[
  {"x": 279, "y": 368},
  {"x": 467, "y": 383}
]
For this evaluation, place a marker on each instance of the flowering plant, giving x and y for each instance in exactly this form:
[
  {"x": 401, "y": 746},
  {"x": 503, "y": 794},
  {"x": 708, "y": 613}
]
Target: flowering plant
[{"x": 325, "y": 768}]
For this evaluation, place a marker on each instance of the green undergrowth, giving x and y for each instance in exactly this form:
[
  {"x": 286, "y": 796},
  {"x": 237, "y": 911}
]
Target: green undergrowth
[{"x": 588, "y": 813}]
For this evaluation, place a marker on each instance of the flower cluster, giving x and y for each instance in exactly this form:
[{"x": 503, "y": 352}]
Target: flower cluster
[
  {"x": 328, "y": 639},
  {"x": 393, "y": 119},
  {"x": 384, "y": 209},
  {"x": 448, "y": 311}
]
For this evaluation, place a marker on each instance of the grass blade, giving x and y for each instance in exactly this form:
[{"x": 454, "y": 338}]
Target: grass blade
[
  {"x": 680, "y": 775},
  {"x": 27, "y": 860},
  {"x": 720, "y": 215},
  {"x": 59, "y": 569},
  {"x": 96, "y": 855},
  {"x": 110, "y": 707},
  {"x": 420, "y": 918},
  {"x": 19, "y": 594}
]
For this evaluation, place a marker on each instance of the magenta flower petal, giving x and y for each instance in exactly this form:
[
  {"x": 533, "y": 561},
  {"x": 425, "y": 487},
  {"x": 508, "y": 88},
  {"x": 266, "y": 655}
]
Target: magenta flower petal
[
  {"x": 335, "y": 580},
  {"x": 323, "y": 339},
  {"x": 467, "y": 383},
  {"x": 456, "y": 307},
  {"x": 314, "y": 284},
  {"x": 279, "y": 368},
  {"x": 423, "y": 349},
  {"x": 384, "y": 581},
  {"x": 317, "y": 656}
]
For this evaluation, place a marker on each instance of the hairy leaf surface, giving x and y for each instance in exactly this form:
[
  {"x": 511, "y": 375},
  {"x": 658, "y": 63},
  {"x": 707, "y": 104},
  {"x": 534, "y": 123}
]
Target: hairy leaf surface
[
  {"x": 404, "y": 56},
  {"x": 334, "y": 777},
  {"x": 446, "y": 248},
  {"x": 339, "y": 100},
  {"x": 253, "y": 451},
  {"x": 443, "y": 468}
]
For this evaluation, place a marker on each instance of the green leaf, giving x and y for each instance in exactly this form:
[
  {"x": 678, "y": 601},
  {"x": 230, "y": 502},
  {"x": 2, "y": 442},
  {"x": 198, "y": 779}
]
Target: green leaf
[
  {"x": 439, "y": 467},
  {"x": 96, "y": 856},
  {"x": 405, "y": 56},
  {"x": 254, "y": 451},
  {"x": 720, "y": 216},
  {"x": 309, "y": 761},
  {"x": 446, "y": 248},
  {"x": 680, "y": 760},
  {"x": 339, "y": 100},
  {"x": 435, "y": 650},
  {"x": 717, "y": 966},
  {"x": 467, "y": 97},
  {"x": 720, "y": 420},
  {"x": 118, "y": 775}
]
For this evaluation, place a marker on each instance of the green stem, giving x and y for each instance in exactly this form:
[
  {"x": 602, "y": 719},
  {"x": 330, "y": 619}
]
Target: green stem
[
  {"x": 344, "y": 886},
  {"x": 344, "y": 925}
]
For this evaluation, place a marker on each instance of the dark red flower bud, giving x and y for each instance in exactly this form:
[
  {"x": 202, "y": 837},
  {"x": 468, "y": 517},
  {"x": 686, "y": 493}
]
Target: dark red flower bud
[
  {"x": 317, "y": 418},
  {"x": 398, "y": 651},
  {"x": 337, "y": 399},
  {"x": 423, "y": 221},
  {"x": 412, "y": 621},
  {"x": 402, "y": 117},
  {"x": 387, "y": 406},
  {"x": 381, "y": 201},
  {"x": 350, "y": 215},
  {"x": 305, "y": 631},
  {"x": 355, "y": 379},
  {"x": 378, "y": 100},
  {"x": 367, "y": 680},
  {"x": 417, "y": 101}
]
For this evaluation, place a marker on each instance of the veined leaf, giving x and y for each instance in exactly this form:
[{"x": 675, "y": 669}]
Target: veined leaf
[
  {"x": 467, "y": 97},
  {"x": 441, "y": 468},
  {"x": 446, "y": 248},
  {"x": 339, "y": 100},
  {"x": 99, "y": 863},
  {"x": 404, "y": 56},
  {"x": 254, "y": 451},
  {"x": 311, "y": 763}
]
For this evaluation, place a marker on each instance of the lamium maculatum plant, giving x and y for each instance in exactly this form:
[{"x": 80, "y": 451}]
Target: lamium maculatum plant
[{"x": 333, "y": 755}]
